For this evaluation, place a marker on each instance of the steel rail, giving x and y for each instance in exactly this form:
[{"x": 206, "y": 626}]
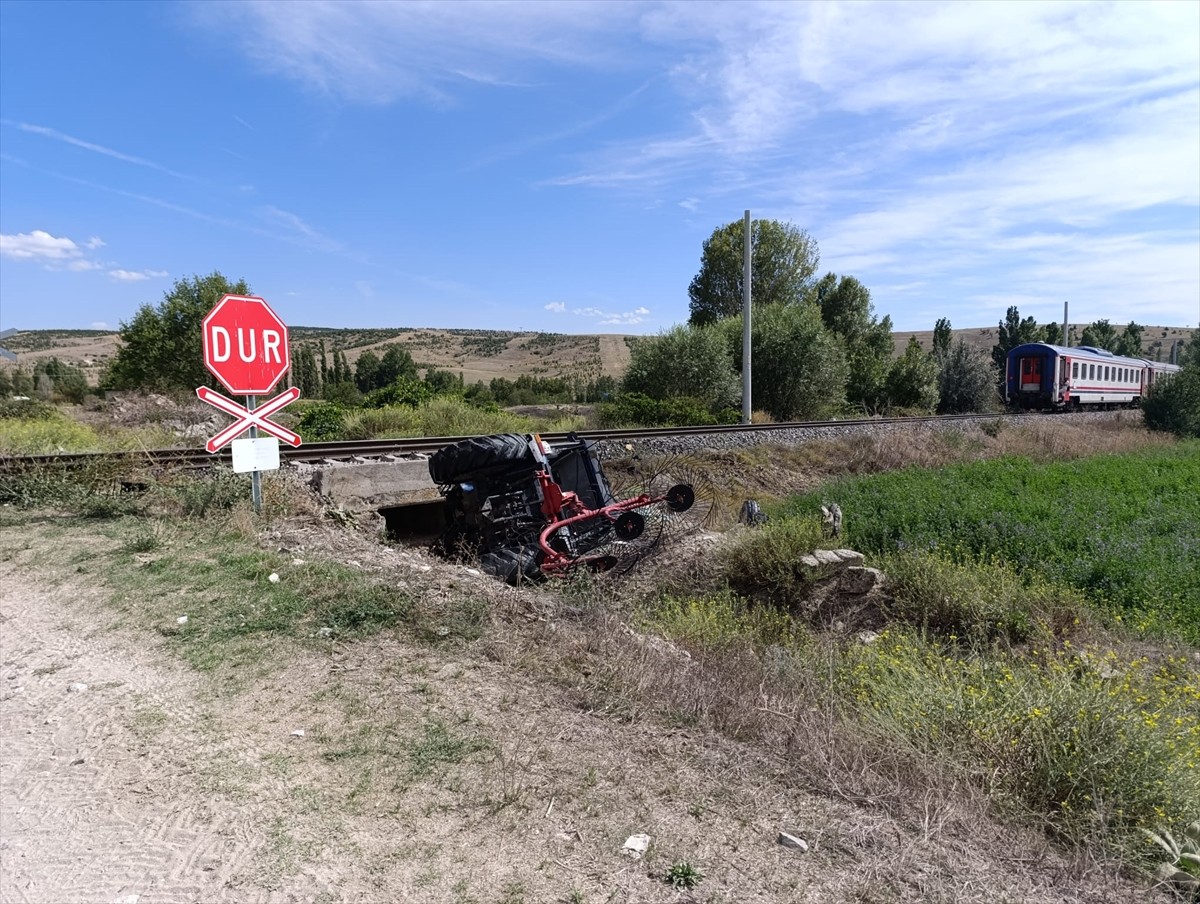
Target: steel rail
[{"x": 316, "y": 452}]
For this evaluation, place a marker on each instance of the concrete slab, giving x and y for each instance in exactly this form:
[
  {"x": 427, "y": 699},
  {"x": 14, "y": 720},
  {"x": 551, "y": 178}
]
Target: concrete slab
[{"x": 376, "y": 484}]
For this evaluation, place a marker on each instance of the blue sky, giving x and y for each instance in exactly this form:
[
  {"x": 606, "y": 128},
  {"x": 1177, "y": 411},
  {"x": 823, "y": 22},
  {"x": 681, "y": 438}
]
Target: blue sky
[{"x": 557, "y": 166}]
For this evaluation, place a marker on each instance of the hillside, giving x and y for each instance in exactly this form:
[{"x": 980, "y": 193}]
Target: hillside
[{"x": 480, "y": 354}]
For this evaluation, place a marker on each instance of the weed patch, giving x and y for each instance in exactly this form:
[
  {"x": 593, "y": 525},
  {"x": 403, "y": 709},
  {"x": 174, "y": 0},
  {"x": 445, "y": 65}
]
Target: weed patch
[
  {"x": 978, "y": 603},
  {"x": 1094, "y": 744}
]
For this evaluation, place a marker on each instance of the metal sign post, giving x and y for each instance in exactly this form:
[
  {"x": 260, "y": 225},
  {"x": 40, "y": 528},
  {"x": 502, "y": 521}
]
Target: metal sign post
[{"x": 256, "y": 474}]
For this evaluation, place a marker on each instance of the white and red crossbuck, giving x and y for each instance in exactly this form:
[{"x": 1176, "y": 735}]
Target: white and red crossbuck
[{"x": 247, "y": 418}]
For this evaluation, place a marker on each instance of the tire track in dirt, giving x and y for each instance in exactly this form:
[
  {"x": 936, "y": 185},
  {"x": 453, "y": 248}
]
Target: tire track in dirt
[{"x": 95, "y": 783}]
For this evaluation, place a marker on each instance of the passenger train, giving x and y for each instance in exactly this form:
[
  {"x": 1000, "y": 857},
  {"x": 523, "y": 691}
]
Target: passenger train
[{"x": 1055, "y": 377}]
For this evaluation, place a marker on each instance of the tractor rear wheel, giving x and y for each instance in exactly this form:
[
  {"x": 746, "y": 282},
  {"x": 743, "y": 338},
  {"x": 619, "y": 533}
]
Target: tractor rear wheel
[{"x": 452, "y": 464}]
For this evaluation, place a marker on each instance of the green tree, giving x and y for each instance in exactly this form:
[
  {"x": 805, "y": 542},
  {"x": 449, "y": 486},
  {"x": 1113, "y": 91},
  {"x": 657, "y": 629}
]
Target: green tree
[
  {"x": 344, "y": 393},
  {"x": 395, "y": 363},
  {"x": 65, "y": 381},
  {"x": 847, "y": 312},
  {"x": 161, "y": 346},
  {"x": 1052, "y": 333},
  {"x": 1100, "y": 334},
  {"x": 323, "y": 362},
  {"x": 942, "y": 338},
  {"x": 22, "y": 382},
  {"x": 913, "y": 380},
  {"x": 1129, "y": 343},
  {"x": 305, "y": 371},
  {"x": 1013, "y": 332},
  {"x": 783, "y": 260},
  {"x": 443, "y": 382},
  {"x": 692, "y": 361},
  {"x": 335, "y": 369},
  {"x": 1190, "y": 352},
  {"x": 366, "y": 369},
  {"x": 6, "y": 388},
  {"x": 966, "y": 381},
  {"x": 799, "y": 368},
  {"x": 1174, "y": 404}
]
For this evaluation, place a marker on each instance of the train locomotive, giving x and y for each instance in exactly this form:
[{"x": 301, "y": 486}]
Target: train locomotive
[{"x": 1055, "y": 377}]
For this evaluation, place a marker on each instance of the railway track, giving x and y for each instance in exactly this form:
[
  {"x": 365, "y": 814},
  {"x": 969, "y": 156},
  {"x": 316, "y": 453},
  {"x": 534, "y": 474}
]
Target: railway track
[{"x": 380, "y": 449}]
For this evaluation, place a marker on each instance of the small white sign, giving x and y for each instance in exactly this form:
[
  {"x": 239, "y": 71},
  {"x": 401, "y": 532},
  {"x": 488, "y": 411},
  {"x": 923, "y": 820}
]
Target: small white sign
[{"x": 259, "y": 454}]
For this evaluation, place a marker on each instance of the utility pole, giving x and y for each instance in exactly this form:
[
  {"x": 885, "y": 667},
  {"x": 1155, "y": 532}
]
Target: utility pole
[{"x": 746, "y": 400}]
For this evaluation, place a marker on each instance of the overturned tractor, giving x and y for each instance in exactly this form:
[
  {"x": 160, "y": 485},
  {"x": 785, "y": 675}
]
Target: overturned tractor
[{"x": 530, "y": 509}]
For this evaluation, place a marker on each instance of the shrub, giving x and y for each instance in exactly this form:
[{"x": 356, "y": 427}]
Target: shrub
[
  {"x": 1175, "y": 406},
  {"x": 976, "y": 603},
  {"x": 26, "y": 409},
  {"x": 638, "y": 409},
  {"x": 45, "y": 433},
  {"x": 320, "y": 422},
  {"x": 402, "y": 391},
  {"x": 764, "y": 564},
  {"x": 1096, "y": 745}
]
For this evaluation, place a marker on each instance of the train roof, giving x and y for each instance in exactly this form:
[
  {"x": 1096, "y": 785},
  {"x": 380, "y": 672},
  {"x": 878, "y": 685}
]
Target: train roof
[{"x": 1082, "y": 352}]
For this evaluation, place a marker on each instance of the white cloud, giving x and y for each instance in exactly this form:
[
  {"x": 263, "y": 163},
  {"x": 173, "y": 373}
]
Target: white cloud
[
  {"x": 299, "y": 229},
  {"x": 137, "y": 275},
  {"x": 54, "y": 134},
  {"x": 557, "y": 306},
  {"x": 94, "y": 242},
  {"x": 82, "y": 265},
  {"x": 604, "y": 318},
  {"x": 99, "y": 325},
  {"x": 38, "y": 245},
  {"x": 376, "y": 53}
]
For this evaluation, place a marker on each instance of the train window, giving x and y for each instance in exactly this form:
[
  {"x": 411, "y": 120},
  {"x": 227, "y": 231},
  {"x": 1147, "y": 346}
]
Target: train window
[
  {"x": 1091, "y": 371},
  {"x": 1026, "y": 365},
  {"x": 1074, "y": 370}
]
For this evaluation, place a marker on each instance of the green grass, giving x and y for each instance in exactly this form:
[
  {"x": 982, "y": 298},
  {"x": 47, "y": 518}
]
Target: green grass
[
  {"x": 1124, "y": 530},
  {"x": 236, "y": 616}
]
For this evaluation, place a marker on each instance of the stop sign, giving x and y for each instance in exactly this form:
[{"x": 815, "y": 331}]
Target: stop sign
[{"x": 245, "y": 344}]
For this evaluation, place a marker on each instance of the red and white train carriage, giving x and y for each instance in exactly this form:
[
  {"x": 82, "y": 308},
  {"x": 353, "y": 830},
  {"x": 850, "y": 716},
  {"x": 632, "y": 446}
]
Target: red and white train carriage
[{"x": 1055, "y": 377}]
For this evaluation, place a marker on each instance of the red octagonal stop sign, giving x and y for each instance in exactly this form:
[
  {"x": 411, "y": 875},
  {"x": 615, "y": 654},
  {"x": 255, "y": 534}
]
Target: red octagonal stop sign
[{"x": 245, "y": 344}]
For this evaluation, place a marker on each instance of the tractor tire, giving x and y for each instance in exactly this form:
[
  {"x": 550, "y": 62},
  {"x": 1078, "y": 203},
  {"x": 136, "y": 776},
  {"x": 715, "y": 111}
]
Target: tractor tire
[
  {"x": 515, "y": 566},
  {"x": 452, "y": 464}
]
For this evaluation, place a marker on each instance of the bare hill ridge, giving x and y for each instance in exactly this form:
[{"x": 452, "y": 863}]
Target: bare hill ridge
[{"x": 483, "y": 354}]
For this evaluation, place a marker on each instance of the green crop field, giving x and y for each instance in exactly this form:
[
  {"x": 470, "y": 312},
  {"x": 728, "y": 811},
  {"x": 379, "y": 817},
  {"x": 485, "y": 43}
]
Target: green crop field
[{"x": 1124, "y": 530}]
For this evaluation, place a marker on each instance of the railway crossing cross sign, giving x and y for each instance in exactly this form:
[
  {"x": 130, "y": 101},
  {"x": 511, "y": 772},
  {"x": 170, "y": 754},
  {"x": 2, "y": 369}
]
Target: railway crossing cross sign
[{"x": 249, "y": 417}]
